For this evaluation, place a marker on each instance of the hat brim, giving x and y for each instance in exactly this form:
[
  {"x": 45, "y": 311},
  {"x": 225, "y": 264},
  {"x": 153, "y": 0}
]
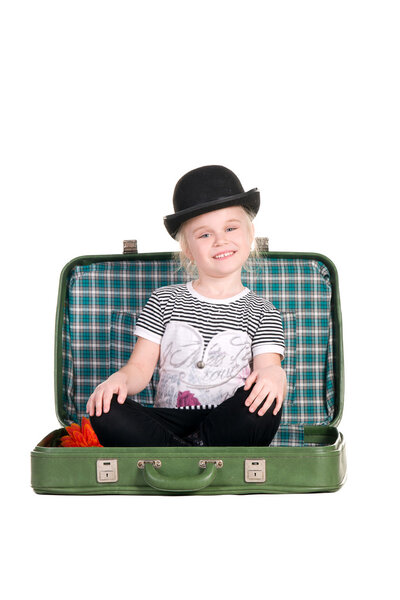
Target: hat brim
[{"x": 250, "y": 200}]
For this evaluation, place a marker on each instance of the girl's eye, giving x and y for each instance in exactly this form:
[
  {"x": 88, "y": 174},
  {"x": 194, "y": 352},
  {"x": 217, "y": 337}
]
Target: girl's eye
[{"x": 203, "y": 235}]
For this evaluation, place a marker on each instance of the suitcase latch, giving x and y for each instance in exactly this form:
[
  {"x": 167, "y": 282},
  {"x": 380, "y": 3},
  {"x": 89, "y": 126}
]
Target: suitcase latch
[
  {"x": 107, "y": 470},
  {"x": 130, "y": 247},
  {"x": 254, "y": 470}
]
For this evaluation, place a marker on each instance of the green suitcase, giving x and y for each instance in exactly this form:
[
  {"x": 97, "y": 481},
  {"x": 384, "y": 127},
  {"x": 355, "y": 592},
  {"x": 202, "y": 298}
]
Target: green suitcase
[{"x": 99, "y": 300}]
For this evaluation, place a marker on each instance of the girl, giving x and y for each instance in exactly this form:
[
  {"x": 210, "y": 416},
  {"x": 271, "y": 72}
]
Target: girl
[{"x": 220, "y": 345}]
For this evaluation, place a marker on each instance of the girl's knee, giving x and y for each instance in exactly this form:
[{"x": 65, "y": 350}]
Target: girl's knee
[
  {"x": 107, "y": 419},
  {"x": 117, "y": 426},
  {"x": 267, "y": 422}
]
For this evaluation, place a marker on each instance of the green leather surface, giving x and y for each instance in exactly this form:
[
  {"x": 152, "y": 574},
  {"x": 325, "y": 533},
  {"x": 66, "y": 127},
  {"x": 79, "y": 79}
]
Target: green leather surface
[
  {"x": 288, "y": 469},
  {"x": 186, "y": 483}
]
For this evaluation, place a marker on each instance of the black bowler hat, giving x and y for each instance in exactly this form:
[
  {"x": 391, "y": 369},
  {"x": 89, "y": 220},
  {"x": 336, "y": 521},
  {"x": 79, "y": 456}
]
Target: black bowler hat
[{"x": 205, "y": 189}]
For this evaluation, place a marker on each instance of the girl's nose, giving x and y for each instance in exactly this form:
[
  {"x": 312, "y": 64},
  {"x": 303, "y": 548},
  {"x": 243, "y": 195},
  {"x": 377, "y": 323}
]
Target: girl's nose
[{"x": 220, "y": 239}]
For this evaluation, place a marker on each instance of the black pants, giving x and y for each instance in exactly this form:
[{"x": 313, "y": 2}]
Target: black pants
[{"x": 229, "y": 424}]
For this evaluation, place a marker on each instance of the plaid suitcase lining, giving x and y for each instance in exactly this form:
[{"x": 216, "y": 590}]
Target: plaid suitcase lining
[{"x": 104, "y": 300}]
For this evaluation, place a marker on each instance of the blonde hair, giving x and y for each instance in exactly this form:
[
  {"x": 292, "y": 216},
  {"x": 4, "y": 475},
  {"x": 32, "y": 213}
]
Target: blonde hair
[{"x": 189, "y": 267}]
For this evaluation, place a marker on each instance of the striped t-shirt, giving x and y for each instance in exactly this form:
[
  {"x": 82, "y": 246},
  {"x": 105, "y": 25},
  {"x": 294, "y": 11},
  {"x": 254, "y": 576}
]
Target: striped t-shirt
[{"x": 207, "y": 345}]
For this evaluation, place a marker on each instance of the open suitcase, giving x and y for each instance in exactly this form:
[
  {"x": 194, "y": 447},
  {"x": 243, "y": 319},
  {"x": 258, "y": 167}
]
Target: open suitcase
[{"x": 99, "y": 300}]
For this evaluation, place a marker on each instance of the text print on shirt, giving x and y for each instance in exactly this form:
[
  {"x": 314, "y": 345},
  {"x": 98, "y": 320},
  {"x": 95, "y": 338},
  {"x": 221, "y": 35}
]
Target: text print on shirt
[{"x": 226, "y": 355}]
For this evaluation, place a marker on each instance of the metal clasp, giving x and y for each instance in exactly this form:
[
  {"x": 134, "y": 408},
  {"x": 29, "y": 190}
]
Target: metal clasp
[
  {"x": 218, "y": 462},
  {"x": 107, "y": 470},
  {"x": 130, "y": 247},
  {"x": 156, "y": 463},
  {"x": 262, "y": 244}
]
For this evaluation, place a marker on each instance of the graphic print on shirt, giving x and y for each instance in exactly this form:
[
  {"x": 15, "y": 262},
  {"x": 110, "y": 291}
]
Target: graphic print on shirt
[
  {"x": 211, "y": 375},
  {"x": 186, "y": 398}
]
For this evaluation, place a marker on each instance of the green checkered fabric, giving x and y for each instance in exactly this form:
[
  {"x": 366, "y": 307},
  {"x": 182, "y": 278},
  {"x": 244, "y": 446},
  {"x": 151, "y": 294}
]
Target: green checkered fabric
[{"x": 104, "y": 300}]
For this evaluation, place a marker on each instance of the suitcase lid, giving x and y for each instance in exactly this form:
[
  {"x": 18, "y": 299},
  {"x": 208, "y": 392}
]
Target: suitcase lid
[{"x": 100, "y": 298}]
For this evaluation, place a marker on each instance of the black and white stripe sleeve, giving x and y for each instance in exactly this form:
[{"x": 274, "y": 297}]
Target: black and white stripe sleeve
[
  {"x": 150, "y": 323},
  {"x": 269, "y": 335}
]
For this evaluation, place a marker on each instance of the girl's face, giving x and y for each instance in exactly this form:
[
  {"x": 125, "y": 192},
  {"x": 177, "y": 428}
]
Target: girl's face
[{"x": 219, "y": 242}]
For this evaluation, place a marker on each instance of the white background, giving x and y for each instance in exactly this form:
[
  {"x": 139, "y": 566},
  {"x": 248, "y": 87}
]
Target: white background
[{"x": 104, "y": 106}]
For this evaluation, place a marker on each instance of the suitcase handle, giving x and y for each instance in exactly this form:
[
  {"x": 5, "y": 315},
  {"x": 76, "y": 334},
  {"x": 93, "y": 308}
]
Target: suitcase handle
[{"x": 188, "y": 483}]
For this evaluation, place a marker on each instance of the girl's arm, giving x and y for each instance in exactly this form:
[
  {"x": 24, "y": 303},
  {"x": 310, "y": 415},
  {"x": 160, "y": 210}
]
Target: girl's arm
[
  {"x": 131, "y": 379},
  {"x": 269, "y": 383}
]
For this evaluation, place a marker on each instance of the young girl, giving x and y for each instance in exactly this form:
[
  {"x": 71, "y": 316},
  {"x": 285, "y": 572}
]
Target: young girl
[{"x": 220, "y": 345}]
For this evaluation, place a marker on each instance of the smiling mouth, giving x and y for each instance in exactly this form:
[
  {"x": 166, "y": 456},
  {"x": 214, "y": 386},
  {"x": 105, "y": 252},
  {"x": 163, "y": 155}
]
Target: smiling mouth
[{"x": 224, "y": 255}]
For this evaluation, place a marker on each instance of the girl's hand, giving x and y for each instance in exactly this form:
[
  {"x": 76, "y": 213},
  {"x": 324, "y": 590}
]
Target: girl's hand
[
  {"x": 100, "y": 399},
  {"x": 270, "y": 384}
]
